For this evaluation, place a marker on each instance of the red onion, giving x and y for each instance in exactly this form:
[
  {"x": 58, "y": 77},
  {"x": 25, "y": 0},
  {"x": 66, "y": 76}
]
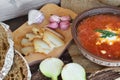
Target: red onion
[
  {"x": 65, "y": 18},
  {"x": 54, "y": 18},
  {"x": 64, "y": 25},
  {"x": 53, "y": 25}
]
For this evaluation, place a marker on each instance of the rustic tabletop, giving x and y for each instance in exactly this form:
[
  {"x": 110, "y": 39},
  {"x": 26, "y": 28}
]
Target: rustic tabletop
[{"x": 72, "y": 48}]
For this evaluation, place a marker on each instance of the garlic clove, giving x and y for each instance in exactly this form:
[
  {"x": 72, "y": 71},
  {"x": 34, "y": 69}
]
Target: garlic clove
[
  {"x": 64, "y": 25},
  {"x": 35, "y": 16},
  {"x": 55, "y": 18},
  {"x": 65, "y": 18},
  {"x": 53, "y": 25}
]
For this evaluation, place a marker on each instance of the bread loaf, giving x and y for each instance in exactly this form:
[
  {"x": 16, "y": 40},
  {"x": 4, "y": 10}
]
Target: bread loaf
[
  {"x": 4, "y": 45},
  {"x": 6, "y": 50},
  {"x": 12, "y": 67},
  {"x": 19, "y": 70}
]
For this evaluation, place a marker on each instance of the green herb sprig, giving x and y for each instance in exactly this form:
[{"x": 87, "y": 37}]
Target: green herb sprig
[{"x": 106, "y": 33}]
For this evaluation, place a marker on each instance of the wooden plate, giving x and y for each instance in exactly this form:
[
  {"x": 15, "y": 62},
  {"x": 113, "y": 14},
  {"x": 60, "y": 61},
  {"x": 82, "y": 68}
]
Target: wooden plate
[{"x": 25, "y": 28}]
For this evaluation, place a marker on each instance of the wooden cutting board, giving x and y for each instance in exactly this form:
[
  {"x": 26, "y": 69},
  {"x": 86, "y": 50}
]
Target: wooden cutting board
[{"x": 25, "y": 28}]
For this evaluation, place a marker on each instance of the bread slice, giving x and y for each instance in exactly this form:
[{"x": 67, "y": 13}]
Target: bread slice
[
  {"x": 4, "y": 45},
  {"x": 6, "y": 50},
  {"x": 19, "y": 70},
  {"x": 41, "y": 46},
  {"x": 52, "y": 39},
  {"x": 11, "y": 68}
]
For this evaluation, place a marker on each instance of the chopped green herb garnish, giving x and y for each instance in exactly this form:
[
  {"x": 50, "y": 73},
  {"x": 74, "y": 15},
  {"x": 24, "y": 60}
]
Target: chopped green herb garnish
[{"x": 106, "y": 33}]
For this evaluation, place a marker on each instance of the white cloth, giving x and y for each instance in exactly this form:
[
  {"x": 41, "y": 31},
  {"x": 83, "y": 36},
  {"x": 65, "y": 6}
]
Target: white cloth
[
  {"x": 18, "y": 3},
  {"x": 13, "y": 8}
]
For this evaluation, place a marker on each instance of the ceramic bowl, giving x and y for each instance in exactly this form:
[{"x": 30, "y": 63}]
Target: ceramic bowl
[{"x": 87, "y": 54}]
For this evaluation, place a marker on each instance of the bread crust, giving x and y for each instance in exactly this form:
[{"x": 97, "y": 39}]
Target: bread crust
[
  {"x": 4, "y": 45},
  {"x": 19, "y": 70}
]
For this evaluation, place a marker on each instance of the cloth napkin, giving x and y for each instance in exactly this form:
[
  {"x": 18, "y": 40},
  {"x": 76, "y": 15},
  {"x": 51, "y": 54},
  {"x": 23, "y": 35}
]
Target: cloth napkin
[{"x": 13, "y": 8}]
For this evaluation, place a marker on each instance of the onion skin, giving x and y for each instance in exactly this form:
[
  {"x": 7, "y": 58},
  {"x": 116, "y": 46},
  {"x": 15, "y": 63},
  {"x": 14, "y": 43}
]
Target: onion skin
[
  {"x": 40, "y": 18},
  {"x": 65, "y": 18},
  {"x": 35, "y": 16},
  {"x": 62, "y": 22},
  {"x": 54, "y": 18},
  {"x": 53, "y": 25},
  {"x": 64, "y": 25}
]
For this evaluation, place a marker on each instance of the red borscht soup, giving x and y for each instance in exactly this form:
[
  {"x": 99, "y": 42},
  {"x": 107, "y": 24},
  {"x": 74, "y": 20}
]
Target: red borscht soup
[{"x": 100, "y": 35}]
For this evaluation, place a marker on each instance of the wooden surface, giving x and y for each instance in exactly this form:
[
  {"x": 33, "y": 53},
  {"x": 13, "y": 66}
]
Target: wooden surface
[{"x": 25, "y": 28}]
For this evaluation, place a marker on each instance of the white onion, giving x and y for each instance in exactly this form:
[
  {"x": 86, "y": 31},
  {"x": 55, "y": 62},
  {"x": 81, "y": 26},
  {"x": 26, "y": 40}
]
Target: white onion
[
  {"x": 51, "y": 67},
  {"x": 73, "y": 71}
]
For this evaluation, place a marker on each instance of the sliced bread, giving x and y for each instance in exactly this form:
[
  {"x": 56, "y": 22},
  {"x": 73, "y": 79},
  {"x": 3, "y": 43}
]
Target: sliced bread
[
  {"x": 6, "y": 50},
  {"x": 4, "y": 45},
  {"x": 19, "y": 70}
]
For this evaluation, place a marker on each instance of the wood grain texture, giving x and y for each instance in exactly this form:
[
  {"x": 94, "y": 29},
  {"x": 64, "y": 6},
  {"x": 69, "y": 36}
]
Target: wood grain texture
[{"x": 25, "y": 28}]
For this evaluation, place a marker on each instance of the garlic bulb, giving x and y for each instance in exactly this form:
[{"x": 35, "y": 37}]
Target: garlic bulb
[{"x": 35, "y": 16}]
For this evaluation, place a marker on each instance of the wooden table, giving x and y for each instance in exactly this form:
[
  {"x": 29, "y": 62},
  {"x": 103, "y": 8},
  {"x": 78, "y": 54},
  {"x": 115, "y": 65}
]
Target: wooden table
[{"x": 17, "y": 22}]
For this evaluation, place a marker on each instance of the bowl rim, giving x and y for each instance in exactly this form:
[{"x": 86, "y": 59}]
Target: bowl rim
[{"x": 80, "y": 17}]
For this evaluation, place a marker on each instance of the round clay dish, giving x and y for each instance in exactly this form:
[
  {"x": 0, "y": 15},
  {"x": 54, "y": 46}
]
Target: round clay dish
[{"x": 81, "y": 17}]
